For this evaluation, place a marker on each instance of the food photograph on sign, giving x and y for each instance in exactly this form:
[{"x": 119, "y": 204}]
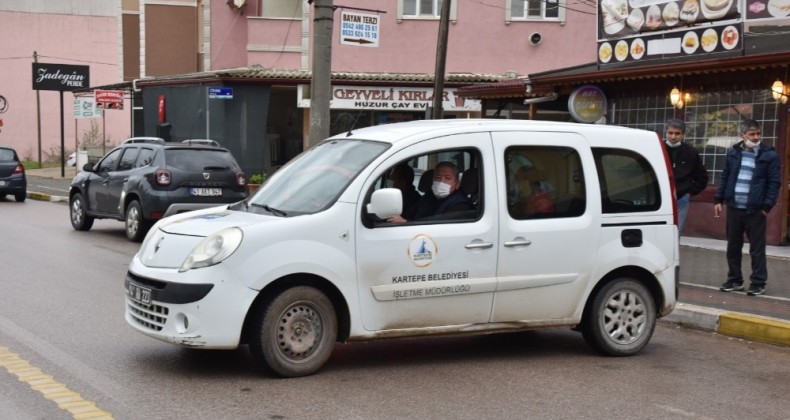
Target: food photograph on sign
[{"x": 768, "y": 9}]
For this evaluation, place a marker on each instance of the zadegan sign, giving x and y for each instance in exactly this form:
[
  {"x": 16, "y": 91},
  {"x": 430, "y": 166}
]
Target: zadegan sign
[{"x": 62, "y": 77}]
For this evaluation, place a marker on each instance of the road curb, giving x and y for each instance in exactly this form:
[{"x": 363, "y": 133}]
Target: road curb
[
  {"x": 735, "y": 324},
  {"x": 46, "y": 197}
]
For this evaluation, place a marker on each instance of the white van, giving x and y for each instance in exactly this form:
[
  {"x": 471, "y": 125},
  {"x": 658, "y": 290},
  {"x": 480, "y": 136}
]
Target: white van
[{"x": 562, "y": 225}]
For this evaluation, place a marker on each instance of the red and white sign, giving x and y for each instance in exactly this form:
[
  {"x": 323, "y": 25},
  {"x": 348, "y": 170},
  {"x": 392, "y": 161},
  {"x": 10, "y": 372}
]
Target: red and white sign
[{"x": 109, "y": 99}]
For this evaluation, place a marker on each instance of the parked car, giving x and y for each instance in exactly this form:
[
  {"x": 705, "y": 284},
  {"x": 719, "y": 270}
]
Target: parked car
[
  {"x": 72, "y": 160},
  {"x": 146, "y": 179},
  {"x": 12, "y": 175},
  {"x": 314, "y": 258}
]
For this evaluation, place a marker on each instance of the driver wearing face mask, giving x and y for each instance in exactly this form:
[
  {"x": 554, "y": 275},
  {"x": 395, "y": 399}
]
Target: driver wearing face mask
[{"x": 445, "y": 198}]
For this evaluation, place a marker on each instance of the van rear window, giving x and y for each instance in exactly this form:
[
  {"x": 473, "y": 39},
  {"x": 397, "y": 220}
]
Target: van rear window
[{"x": 628, "y": 181}]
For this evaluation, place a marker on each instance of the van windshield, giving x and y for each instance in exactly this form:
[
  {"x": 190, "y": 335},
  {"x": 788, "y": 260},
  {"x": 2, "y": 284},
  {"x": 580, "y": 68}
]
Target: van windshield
[{"x": 312, "y": 181}]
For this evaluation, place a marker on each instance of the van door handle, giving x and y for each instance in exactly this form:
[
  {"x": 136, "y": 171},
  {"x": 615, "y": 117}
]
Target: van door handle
[
  {"x": 479, "y": 245},
  {"x": 522, "y": 242}
]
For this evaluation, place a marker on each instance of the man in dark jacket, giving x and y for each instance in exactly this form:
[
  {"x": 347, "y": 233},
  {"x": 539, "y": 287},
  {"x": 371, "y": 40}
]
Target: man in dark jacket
[
  {"x": 691, "y": 176},
  {"x": 445, "y": 201},
  {"x": 749, "y": 186}
]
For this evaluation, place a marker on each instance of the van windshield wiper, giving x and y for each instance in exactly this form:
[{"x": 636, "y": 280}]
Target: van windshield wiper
[{"x": 271, "y": 210}]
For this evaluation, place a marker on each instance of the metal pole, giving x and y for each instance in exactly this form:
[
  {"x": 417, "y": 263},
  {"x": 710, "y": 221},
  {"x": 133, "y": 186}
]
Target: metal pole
[
  {"x": 441, "y": 58},
  {"x": 320, "y": 83},
  {"x": 207, "y": 115},
  {"x": 38, "y": 114},
  {"x": 62, "y": 139}
]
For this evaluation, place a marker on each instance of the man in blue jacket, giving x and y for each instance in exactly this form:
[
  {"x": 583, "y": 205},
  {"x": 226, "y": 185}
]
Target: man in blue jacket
[{"x": 749, "y": 186}]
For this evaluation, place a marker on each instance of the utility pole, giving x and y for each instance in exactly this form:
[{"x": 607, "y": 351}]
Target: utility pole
[
  {"x": 441, "y": 58},
  {"x": 320, "y": 82}
]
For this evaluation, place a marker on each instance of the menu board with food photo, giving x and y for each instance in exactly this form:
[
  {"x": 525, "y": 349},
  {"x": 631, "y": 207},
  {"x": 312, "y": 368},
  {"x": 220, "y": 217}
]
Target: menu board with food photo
[
  {"x": 768, "y": 9},
  {"x": 694, "y": 41},
  {"x": 619, "y": 18}
]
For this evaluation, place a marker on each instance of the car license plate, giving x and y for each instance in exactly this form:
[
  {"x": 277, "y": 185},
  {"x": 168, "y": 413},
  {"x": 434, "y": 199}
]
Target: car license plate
[
  {"x": 205, "y": 192},
  {"x": 2, "y": 183},
  {"x": 138, "y": 293}
]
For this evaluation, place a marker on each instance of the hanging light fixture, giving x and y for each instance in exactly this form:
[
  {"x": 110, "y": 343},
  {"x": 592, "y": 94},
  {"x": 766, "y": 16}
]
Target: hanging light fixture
[
  {"x": 675, "y": 98},
  {"x": 778, "y": 91}
]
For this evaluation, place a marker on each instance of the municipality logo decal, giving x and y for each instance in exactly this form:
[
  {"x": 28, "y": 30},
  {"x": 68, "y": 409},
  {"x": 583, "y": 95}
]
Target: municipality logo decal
[{"x": 422, "y": 250}]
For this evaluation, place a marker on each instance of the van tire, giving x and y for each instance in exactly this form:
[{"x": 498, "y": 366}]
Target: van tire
[
  {"x": 621, "y": 318},
  {"x": 295, "y": 333},
  {"x": 79, "y": 213}
]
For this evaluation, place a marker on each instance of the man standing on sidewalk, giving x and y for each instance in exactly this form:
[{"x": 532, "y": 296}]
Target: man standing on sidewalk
[
  {"x": 749, "y": 186},
  {"x": 690, "y": 174}
]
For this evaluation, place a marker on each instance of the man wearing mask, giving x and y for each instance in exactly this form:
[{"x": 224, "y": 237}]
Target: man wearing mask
[
  {"x": 446, "y": 197},
  {"x": 691, "y": 176},
  {"x": 749, "y": 186}
]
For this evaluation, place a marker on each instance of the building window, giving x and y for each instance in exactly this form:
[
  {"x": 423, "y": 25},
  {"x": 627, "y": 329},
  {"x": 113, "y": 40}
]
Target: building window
[
  {"x": 424, "y": 9},
  {"x": 281, "y": 9},
  {"x": 712, "y": 120},
  {"x": 553, "y": 10}
]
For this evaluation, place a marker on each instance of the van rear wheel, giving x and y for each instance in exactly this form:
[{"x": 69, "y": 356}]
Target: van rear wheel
[
  {"x": 294, "y": 334},
  {"x": 621, "y": 318}
]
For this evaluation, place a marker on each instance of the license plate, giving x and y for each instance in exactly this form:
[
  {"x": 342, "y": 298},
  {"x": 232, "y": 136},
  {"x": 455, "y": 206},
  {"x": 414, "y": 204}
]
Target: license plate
[
  {"x": 138, "y": 293},
  {"x": 2, "y": 183},
  {"x": 205, "y": 192}
]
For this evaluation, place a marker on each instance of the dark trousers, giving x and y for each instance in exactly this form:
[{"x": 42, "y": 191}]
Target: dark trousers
[{"x": 753, "y": 225}]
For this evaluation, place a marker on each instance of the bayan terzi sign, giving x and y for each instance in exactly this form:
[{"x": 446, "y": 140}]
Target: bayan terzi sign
[{"x": 62, "y": 77}]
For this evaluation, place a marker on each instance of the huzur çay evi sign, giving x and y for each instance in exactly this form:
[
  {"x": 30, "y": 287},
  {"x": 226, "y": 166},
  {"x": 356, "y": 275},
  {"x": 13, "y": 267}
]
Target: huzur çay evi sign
[{"x": 61, "y": 77}]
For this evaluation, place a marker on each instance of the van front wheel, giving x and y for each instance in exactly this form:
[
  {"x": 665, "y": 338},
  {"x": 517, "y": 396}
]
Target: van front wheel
[
  {"x": 295, "y": 333},
  {"x": 620, "y": 319}
]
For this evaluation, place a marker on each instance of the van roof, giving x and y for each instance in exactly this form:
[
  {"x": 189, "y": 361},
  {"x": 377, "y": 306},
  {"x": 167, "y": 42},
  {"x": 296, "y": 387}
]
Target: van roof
[{"x": 398, "y": 132}]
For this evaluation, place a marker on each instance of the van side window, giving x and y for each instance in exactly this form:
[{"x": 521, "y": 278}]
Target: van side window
[
  {"x": 415, "y": 176},
  {"x": 628, "y": 181},
  {"x": 544, "y": 182}
]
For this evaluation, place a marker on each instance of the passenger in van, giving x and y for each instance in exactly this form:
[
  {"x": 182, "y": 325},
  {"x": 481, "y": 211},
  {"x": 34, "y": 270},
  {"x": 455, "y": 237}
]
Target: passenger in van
[
  {"x": 533, "y": 193},
  {"x": 402, "y": 178},
  {"x": 444, "y": 201}
]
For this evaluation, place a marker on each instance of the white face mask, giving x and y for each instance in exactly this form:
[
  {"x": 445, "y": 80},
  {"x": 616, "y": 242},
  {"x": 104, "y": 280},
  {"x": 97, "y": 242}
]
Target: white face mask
[
  {"x": 673, "y": 145},
  {"x": 440, "y": 189},
  {"x": 751, "y": 144}
]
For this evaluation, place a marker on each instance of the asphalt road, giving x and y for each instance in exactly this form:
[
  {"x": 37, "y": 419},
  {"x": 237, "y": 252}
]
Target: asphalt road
[{"x": 61, "y": 311}]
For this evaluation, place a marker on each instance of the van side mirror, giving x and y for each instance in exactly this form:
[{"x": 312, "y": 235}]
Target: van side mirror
[{"x": 386, "y": 203}]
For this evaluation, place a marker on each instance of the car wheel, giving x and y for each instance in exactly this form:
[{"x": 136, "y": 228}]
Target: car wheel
[
  {"x": 620, "y": 319},
  {"x": 136, "y": 226},
  {"x": 79, "y": 216},
  {"x": 295, "y": 333},
  {"x": 20, "y": 197}
]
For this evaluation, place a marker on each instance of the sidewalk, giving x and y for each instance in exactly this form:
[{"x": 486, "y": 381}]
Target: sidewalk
[{"x": 703, "y": 267}]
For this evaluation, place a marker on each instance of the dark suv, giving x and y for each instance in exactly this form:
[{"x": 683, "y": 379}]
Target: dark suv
[{"x": 146, "y": 179}]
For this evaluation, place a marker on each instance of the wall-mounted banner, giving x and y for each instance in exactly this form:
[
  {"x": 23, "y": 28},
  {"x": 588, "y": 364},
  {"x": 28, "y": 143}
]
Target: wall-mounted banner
[
  {"x": 62, "y": 77},
  {"x": 619, "y": 18},
  {"x": 587, "y": 104},
  {"x": 389, "y": 98},
  {"x": 359, "y": 29},
  {"x": 109, "y": 99}
]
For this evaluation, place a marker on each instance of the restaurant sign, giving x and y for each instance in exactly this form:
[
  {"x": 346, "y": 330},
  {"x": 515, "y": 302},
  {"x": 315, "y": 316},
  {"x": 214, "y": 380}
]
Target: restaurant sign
[
  {"x": 62, "y": 77},
  {"x": 390, "y": 98},
  {"x": 587, "y": 104},
  {"x": 618, "y": 18}
]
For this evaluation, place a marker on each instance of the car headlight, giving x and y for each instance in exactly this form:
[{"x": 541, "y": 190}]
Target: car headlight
[{"x": 213, "y": 249}]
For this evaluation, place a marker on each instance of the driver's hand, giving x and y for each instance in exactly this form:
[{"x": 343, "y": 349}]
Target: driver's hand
[{"x": 396, "y": 219}]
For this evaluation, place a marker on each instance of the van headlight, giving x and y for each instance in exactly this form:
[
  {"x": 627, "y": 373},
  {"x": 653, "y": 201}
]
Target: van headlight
[{"x": 213, "y": 249}]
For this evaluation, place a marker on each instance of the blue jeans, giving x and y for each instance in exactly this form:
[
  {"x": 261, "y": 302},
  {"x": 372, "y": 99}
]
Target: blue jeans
[{"x": 683, "y": 211}]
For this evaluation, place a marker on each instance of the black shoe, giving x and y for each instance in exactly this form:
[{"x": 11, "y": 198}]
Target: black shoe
[
  {"x": 755, "y": 290},
  {"x": 730, "y": 285}
]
